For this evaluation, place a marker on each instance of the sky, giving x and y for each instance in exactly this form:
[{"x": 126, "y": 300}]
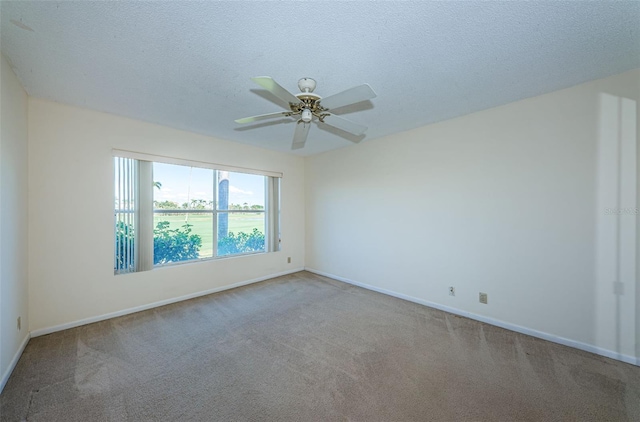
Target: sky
[{"x": 181, "y": 184}]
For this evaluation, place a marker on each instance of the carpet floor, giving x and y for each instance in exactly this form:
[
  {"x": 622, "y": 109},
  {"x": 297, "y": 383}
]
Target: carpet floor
[{"x": 307, "y": 348}]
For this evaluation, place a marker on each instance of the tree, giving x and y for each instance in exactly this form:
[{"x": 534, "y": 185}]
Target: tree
[
  {"x": 198, "y": 204},
  {"x": 257, "y": 207},
  {"x": 166, "y": 205},
  {"x": 223, "y": 203},
  {"x": 157, "y": 185}
]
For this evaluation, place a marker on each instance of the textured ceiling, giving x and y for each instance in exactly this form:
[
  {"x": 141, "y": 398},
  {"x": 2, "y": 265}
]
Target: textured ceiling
[{"x": 187, "y": 65}]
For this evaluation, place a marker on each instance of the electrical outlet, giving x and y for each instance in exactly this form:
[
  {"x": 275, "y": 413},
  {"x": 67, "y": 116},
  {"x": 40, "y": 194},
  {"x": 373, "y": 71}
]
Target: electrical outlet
[
  {"x": 483, "y": 298},
  {"x": 452, "y": 291},
  {"x": 19, "y": 324},
  {"x": 289, "y": 260}
]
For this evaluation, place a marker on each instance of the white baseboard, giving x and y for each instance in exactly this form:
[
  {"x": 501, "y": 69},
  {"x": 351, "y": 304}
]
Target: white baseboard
[
  {"x": 14, "y": 362},
  {"x": 73, "y": 324},
  {"x": 498, "y": 323}
]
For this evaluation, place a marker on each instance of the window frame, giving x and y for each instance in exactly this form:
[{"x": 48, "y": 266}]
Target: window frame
[{"x": 145, "y": 209}]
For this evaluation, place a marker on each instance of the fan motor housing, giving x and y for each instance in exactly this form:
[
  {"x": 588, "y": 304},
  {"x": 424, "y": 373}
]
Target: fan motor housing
[{"x": 307, "y": 84}]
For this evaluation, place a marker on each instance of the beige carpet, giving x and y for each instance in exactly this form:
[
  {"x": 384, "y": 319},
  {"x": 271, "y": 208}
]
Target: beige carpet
[{"x": 307, "y": 348}]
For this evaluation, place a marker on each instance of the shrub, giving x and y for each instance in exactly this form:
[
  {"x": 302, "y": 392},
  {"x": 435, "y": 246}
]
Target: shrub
[
  {"x": 174, "y": 245},
  {"x": 241, "y": 243}
]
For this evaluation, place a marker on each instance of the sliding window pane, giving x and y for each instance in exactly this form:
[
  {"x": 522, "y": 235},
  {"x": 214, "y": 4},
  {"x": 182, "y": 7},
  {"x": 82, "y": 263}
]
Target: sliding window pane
[
  {"x": 245, "y": 233},
  {"x": 182, "y": 187},
  {"x": 182, "y": 237},
  {"x": 240, "y": 191},
  {"x": 183, "y": 213}
]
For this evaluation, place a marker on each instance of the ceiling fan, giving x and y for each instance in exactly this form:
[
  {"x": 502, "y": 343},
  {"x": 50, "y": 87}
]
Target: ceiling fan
[{"x": 312, "y": 107}]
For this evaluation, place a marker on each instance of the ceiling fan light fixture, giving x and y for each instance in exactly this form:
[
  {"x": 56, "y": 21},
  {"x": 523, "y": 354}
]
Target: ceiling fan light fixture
[
  {"x": 306, "y": 104},
  {"x": 306, "y": 115}
]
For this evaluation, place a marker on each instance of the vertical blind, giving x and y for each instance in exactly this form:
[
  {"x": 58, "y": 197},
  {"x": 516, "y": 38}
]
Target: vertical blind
[{"x": 125, "y": 215}]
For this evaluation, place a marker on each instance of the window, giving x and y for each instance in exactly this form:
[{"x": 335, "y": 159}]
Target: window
[
  {"x": 241, "y": 213},
  {"x": 178, "y": 211}
]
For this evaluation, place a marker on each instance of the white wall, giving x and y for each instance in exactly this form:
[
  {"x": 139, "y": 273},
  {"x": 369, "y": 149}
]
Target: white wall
[
  {"x": 13, "y": 219},
  {"x": 71, "y": 215},
  {"x": 507, "y": 201}
]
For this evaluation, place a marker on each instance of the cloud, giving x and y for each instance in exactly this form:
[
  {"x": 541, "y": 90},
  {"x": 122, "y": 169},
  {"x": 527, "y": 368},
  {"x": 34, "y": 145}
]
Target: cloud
[{"x": 234, "y": 189}]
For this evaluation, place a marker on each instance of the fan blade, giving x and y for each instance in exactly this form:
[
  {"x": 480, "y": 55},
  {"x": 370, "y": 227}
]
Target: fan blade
[
  {"x": 261, "y": 117},
  {"x": 344, "y": 124},
  {"x": 350, "y": 96},
  {"x": 300, "y": 135},
  {"x": 276, "y": 89}
]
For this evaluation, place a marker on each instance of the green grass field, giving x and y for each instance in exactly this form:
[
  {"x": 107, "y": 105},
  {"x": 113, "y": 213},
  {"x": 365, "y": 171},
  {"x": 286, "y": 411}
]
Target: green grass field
[{"x": 202, "y": 224}]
